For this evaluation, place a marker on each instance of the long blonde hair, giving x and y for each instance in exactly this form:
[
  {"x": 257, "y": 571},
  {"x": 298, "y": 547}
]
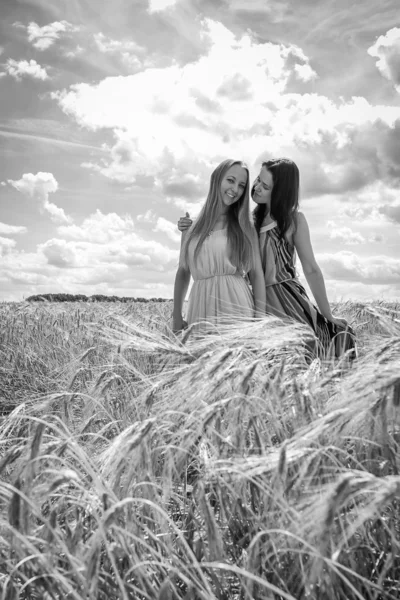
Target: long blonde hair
[{"x": 240, "y": 229}]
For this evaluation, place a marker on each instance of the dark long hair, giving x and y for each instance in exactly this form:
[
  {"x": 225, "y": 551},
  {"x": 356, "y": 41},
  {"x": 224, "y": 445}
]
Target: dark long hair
[
  {"x": 240, "y": 229},
  {"x": 284, "y": 196}
]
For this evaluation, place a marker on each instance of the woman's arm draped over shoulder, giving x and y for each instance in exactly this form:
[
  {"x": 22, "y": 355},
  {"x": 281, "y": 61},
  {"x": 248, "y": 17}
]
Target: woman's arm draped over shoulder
[
  {"x": 257, "y": 281},
  {"x": 184, "y": 223},
  {"x": 312, "y": 272},
  {"x": 182, "y": 280}
]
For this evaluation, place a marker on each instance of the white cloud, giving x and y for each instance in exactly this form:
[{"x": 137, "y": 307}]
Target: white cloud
[
  {"x": 387, "y": 50},
  {"x": 79, "y": 267},
  {"x": 11, "y": 229},
  {"x": 363, "y": 213},
  {"x": 170, "y": 229},
  {"x": 344, "y": 235},
  {"x": 102, "y": 255},
  {"x": 392, "y": 213},
  {"x": 74, "y": 53},
  {"x": 168, "y": 119},
  {"x": 111, "y": 239},
  {"x": 56, "y": 213},
  {"x": 23, "y": 68},
  {"x": 377, "y": 238},
  {"x": 305, "y": 72},
  {"x": 99, "y": 228},
  {"x": 39, "y": 187},
  {"x": 374, "y": 205},
  {"x": 187, "y": 185},
  {"x": 44, "y": 37},
  {"x": 148, "y": 217},
  {"x": 159, "y": 5},
  {"x": 193, "y": 208},
  {"x": 347, "y": 266},
  {"x": 6, "y": 245},
  {"x": 232, "y": 102},
  {"x": 131, "y": 54},
  {"x": 298, "y": 62},
  {"x": 339, "y": 291},
  {"x": 59, "y": 253},
  {"x": 127, "y": 49},
  {"x": 348, "y": 237}
]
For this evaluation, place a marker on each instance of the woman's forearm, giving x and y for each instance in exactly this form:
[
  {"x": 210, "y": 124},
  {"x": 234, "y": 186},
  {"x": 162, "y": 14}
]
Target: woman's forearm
[
  {"x": 258, "y": 287},
  {"x": 181, "y": 285},
  {"x": 315, "y": 280}
]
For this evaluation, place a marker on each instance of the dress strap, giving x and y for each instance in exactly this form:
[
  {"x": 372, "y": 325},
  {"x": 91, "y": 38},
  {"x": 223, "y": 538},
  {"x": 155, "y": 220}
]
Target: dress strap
[
  {"x": 282, "y": 281},
  {"x": 268, "y": 227}
]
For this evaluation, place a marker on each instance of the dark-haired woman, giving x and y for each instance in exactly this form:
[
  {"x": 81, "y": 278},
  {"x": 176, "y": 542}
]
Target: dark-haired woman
[{"x": 283, "y": 231}]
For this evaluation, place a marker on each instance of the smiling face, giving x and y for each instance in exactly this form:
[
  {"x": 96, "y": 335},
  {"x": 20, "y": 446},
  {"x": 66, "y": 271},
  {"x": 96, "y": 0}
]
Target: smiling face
[
  {"x": 233, "y": 185},
  {"x": 262, "y": 187}
]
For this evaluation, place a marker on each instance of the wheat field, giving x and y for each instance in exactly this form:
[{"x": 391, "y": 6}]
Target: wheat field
[{"x": 139, "y": 465}]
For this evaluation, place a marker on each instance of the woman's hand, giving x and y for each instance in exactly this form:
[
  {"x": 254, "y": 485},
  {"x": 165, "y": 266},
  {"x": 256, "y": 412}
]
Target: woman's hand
[
  {"x": 184, "y": 222},
  {"x": 178, "y": 324},
  {"x": 339, "y": 322}
]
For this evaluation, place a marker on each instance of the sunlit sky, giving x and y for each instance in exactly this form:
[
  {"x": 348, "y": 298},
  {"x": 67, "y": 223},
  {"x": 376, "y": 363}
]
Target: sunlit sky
[{"x": 113, "y": 115}]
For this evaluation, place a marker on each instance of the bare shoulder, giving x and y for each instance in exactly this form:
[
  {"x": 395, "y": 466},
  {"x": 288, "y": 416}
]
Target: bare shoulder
[
  {"x": 300, "y": 225},
  {"x": 298, "y": 231},
  {"x": 300, "y": 219},
  {"x": 296, "y": 224}
]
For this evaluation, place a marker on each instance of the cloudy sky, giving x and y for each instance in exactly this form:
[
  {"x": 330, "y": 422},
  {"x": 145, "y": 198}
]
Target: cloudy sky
[{"x": 113, "y": 115}]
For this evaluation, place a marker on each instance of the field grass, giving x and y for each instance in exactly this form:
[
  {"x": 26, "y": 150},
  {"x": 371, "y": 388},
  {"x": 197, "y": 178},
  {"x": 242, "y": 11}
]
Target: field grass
[{"x": 136, "y": 465}]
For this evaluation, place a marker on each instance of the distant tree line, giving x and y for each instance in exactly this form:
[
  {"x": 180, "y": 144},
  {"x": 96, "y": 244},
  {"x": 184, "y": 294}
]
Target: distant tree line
[{"x": 94, "y": 298}]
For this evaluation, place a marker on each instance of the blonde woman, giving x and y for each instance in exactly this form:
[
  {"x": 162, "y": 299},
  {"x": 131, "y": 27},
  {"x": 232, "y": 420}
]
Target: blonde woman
[{"x": 218, "y": 250}]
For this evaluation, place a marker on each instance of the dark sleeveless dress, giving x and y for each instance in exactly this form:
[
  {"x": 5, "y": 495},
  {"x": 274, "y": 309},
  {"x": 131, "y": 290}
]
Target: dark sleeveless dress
[{"x": 286, "y": 297}]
